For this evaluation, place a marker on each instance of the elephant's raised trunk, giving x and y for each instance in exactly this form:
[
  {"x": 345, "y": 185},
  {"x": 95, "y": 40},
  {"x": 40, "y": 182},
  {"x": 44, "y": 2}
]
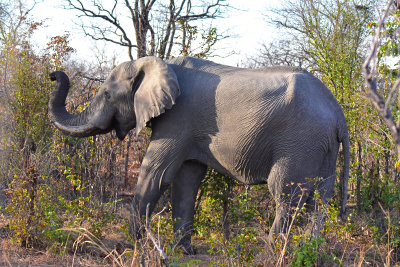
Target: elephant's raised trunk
[{"x": 72, "y": 124}]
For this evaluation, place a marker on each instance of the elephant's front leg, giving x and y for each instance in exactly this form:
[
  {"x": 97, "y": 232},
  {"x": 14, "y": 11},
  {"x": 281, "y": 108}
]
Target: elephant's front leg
[
  {"x": 158, "y": 168},
  {"x": 184, "y": 192}
]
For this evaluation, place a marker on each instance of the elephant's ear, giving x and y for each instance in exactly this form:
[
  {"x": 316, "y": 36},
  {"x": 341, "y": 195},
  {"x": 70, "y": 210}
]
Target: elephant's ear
[{"x": 157, "y": 91}]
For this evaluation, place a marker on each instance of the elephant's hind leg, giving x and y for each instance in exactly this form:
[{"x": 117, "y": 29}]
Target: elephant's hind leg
[
  {"x": 288, "y": 184},
  {"x": 327, "y": 174},
  {"x": 184, "y": 191},
  {"x": 325, "y": 184},
  {"x": 325, "y": 181},
  {"x": 286, "y": 206}
]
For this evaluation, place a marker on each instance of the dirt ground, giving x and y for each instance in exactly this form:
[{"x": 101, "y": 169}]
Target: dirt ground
[
  {"x": 20, "y": 257},
  {"x": 15, "y": 256},
  {"x": 12, "y": 254}
]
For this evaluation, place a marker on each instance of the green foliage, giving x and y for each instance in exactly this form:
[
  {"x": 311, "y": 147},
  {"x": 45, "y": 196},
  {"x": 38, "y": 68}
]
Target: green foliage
[
  {"x": 314, "y": 249},
  {"x": 52, "y": 213},
  {"x": 216, "y": 192},
  {"x": 307, "y": 253},
  {"x": 312, "y": 252},
  {"x": 30, "y": 100},
  {"x": 232, "y": 210},
  {"x": 241, "y": 249},
  {"x": 30, "y": 137}
]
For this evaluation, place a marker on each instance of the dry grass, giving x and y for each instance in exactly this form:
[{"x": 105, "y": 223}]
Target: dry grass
[
  {"x": 12, "y": 254},
  {"x": 355, "y": 247},
  {"x": 354, "y": 251}
]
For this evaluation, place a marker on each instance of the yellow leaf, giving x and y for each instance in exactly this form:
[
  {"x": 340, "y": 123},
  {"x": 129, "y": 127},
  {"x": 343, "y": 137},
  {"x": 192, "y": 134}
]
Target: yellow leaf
[{"x": 398, "y": 165}]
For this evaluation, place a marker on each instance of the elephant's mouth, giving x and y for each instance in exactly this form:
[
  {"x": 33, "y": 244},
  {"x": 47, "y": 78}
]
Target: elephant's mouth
[{"x": 121, "y": 133}]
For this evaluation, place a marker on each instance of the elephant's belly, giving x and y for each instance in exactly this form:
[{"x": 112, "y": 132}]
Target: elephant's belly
[{"x": 229, "y": 159}]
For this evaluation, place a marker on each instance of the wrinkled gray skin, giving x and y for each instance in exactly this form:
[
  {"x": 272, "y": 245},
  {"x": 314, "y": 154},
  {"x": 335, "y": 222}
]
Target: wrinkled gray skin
[{"x": 276, "y": 125}]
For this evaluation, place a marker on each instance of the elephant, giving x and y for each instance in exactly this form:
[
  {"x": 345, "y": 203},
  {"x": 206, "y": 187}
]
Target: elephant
[{"x": 277, "y": 125}]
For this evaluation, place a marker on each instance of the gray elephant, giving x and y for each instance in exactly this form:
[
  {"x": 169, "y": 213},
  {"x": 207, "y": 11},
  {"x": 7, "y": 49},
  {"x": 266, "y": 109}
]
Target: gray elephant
[{"x": 277, "y": 125}]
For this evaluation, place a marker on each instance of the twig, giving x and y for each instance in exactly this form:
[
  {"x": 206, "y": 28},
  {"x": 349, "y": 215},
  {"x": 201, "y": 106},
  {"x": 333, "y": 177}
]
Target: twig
[
  {"x": 92, "y": 79},
  {"x": 160, "y": 250},
  {"x": 280, "y": 260},
  {"x": 389, "y": 250},
  {"x": 6, "y": 259}
]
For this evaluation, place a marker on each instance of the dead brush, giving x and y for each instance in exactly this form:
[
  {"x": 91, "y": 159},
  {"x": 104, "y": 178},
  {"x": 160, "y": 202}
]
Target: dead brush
[{"x": 146, "y": 251}]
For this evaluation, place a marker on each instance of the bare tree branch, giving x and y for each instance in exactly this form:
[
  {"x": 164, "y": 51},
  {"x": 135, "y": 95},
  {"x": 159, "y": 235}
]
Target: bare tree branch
[
  {"x": 109, "y": 17},
  {"x": 144, "y": 15},
  {"x": 206, "y": 13},
  {"x": 370, "y": 75}
]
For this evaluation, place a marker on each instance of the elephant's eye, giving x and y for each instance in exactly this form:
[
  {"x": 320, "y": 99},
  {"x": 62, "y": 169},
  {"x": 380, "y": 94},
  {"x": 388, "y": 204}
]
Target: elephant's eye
[{"x": 107, "y": 94}]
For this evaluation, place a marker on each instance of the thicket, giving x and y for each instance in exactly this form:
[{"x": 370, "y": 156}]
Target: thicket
[
  {"x": 49, "y": 179},
  {"x": 61, "y": 193}
]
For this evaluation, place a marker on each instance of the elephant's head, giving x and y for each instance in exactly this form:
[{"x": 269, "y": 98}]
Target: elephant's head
[{"x": 133, "y": 93}]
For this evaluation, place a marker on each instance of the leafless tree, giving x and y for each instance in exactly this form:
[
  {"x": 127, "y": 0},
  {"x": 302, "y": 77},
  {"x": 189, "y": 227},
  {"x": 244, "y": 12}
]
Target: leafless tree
[
  {"x": 158, "y": 26},
  {"x": 383, "y": 105},
  {"x": 278, "y": 53},
  {"x": 13, "y": 15}
]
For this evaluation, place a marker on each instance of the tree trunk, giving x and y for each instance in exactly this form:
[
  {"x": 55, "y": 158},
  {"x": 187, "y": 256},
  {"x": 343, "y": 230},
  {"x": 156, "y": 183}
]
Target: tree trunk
[{"x": 359, "y": 177}]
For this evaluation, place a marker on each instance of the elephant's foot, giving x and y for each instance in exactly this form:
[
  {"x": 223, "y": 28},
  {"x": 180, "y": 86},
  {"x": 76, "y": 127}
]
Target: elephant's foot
[
  {"x": 135, "y": 231},
  {"x": 188, "y": 249},
  {"x": 272, "y": 238}
]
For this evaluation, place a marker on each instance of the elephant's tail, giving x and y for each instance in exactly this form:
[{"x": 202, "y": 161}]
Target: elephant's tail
[{"x": 345, "y": 140}]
